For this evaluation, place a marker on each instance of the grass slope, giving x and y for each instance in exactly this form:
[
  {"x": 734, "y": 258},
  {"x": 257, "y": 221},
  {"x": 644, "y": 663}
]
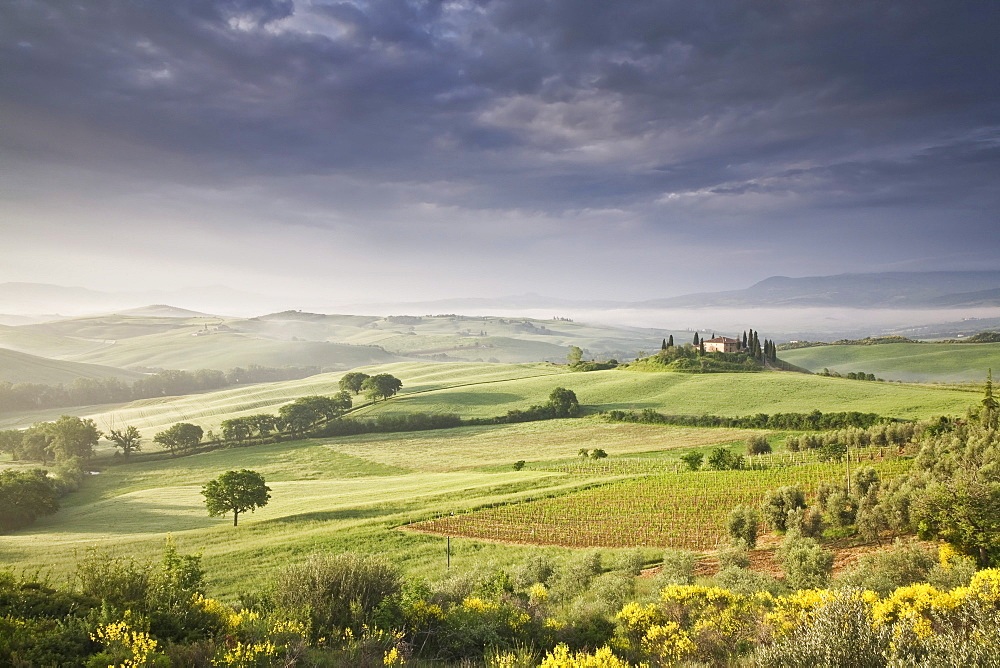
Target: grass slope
[
  {"x": 18, "y": 367},
  {"x": 920, "y": 362},
  {"x": 717, "y": 394},
  {"x": 322, "y": 498},
  {"x": 487, "y": 390}
]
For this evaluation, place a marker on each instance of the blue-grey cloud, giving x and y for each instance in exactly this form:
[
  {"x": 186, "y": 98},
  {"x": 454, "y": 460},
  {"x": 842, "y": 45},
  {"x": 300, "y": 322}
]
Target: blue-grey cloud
[{"x": 518, "y": 122}]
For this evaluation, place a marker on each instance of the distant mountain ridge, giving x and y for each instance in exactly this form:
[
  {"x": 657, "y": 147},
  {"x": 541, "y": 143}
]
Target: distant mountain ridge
[
  {"x": 933, "y": 289},
  {"x": 887, "y": 290}
]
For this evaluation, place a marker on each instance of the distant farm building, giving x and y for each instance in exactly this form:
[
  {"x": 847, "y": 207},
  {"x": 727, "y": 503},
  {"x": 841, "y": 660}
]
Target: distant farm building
[{"x": 722, "y": 344}]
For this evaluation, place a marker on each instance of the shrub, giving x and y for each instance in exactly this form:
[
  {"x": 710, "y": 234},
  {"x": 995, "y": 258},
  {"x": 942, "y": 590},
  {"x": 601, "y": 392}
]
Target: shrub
[
  {"x": 725, "y": 460},
  {"x": 747, "y": 582},
  {"x": 779, "y": 502},
  {"x": 742, "y": 526},
  {"x": 806, "y": 564},
  {"x": 537, "y": 568},
  {"x": 758, "y": 445},
  {"x": 693, "y": 460},
  {"x": 336, "y": 591},
  {"x": 678, "y": 568},
  {"x": 736, "y": 556}
]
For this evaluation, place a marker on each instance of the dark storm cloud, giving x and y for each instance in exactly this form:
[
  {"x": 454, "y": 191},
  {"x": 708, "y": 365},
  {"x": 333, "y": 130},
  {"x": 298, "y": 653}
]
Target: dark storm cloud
[{"x": 660, "y": 113}]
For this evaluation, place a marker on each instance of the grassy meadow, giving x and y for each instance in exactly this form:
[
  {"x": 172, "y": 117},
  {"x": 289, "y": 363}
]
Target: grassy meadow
[
  {"x": 474, "y": 390},
  {"x": 353, "y": 493},
  {"x": 909, "y": 362}
]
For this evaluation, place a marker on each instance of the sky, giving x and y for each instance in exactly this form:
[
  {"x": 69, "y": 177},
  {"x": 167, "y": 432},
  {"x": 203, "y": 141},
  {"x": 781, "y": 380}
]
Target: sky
[{"x": 405, "y": 150}]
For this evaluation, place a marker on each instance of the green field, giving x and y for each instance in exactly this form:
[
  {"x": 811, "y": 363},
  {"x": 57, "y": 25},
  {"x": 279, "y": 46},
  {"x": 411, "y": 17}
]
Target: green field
[
  {"x": 910, "y": 362},
  {"x": 487, "y": 390},
  {"x": 678, "y": 510},
  {"x": 17, "y": 367},
  {"x": 681, "y": 393},
  {"x": 352, "y": 493}
]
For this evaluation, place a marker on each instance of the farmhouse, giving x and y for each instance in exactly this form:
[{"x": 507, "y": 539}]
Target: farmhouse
[{"x": 722, "y": 344}]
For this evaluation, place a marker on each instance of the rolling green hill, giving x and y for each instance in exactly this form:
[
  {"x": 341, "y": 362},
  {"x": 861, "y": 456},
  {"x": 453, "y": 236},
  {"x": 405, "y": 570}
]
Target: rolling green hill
[
  {"x": 488, "y": 390},
  {"x": 17, "y": 367},
  {"x": 911, "y": 362}
]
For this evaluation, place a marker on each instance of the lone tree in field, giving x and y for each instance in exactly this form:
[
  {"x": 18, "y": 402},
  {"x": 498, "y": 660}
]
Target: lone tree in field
[
  {"x": 563, "y": 403},
  {"x": 236, "y": 491}
]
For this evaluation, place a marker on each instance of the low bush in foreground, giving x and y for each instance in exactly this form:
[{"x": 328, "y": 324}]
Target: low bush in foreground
[{"x": 353, "y": 610}]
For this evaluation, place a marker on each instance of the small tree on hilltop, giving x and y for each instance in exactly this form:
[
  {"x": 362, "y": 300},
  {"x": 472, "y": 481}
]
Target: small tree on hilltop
[
  {"x": 575, "y": 354},
  {"x": 381, "y": 386},
  {"x": 352, "y": 382},
  {"x": 236, "y": 491}
]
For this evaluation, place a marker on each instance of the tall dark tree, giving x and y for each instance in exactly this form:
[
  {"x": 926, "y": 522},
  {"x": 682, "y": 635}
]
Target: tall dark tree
[
  {"x": 744, "y": 340},
  {"x": 695, "y": 340},
  {"x": 664, "y": 345},
  {"x": 670, "y": 341},
  {"x": 989, "y": 403}
]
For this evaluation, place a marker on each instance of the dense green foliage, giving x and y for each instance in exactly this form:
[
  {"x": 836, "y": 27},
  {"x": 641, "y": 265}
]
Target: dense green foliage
[
  {"x": 68, "y": 438},
  {"x": 815, "y": 420},
  {"x": 180, "y": 437},
  {"x": 236, "y": 492},
  {"x": 24, "y": 496}
]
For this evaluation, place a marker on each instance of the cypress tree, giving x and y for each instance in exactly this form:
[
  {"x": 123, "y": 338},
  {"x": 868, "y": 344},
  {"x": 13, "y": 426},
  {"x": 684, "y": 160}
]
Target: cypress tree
[
  {"x": 989, "y": 403},
  {"x": 744, "y": 340},
  {"x": 670, "y": 341},
  {"x": 695, "y": 340},
  {"x": 664, "y": 346},
  {"x": 701, "y": 348}
]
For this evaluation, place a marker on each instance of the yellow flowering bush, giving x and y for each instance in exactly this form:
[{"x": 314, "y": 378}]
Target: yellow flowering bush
[
  {"x": 667, "y": 642},
  {"x": 985, "y": 586},
  {"x": 124, "y": 645},
  {"x": 247, "y": 655},
  {"x": 720, "y": 622},
  {"x": 561, "y": 657}
]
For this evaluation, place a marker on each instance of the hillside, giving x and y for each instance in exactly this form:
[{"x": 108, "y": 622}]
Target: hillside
[
  {"x": 487, "y": 390},
  {"x": 911, "y": 362},
  {"x": 169, "y": 338},
  {"x": 17, "y": 367}
]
